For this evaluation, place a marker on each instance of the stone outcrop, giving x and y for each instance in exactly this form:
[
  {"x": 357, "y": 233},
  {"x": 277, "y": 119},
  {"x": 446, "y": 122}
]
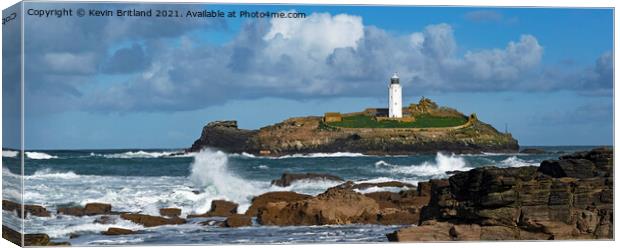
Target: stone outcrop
[
  {"x": 568, "y": 198},
  {"x": 117, "y": 231},
  {"x": 259, "y": 202},
  {"x": 335, "y": 206},
  {"x": 34, "y": 210},
  {"x": 151, "y": 221},
  {"x": 237, "y": 220},
  {"x": 88, "y": 209},
  {"x": 219, "y": 208},
  {"x": 311, "y": 135},
  {"x": 288, "y": 178},
  {"x": 224, "y": 135}
]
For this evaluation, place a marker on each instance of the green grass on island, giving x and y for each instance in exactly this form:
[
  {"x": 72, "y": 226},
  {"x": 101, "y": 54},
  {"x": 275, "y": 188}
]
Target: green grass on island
[{"x": 421, "y": 121}]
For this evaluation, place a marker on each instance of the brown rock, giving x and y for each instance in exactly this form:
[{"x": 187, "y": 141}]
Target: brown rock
[
  {"x": 288, "y": 178},
  {"x": 150, "y": 221},
  {"x": 429, "y": 231},
  {"x": 238, "y": 220},
  {"x": 75, "y": 211},
  {"x": 117, "y": 231},
  {"x": 465, "y": 232},
  {"x": 259, "y": 202},
  {"x": 334, "y": 206},
  {"x": 170, "y": 212},
  {"x": 219, "y": 208},
  {"x": 97, "y": 208},
  {"x": 499, "y": 233},
  {"x": 35, "y": 210},
  {"x": 394, "y": 216}
]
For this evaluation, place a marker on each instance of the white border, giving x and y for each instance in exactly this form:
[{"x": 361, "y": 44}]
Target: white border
[{"x": 486, "y": 3}]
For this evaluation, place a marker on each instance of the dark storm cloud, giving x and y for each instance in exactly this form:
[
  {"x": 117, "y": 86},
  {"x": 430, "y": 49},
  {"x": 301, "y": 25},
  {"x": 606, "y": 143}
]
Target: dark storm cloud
[{"x": 127, "y": 60}]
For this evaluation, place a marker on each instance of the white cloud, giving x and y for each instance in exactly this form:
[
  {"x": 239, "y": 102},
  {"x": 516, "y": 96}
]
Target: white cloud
[
  {"x": 316, "y": 36},
  {"x": 75, "y": 63}
]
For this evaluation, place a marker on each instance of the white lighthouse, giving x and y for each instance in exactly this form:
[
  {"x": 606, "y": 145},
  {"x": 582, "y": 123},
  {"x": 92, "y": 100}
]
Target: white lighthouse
[{"x": 396, "y": 98}]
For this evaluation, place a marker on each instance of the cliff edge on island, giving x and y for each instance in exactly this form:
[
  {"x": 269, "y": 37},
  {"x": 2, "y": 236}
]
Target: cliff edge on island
[{"x": 424, "y": 128}]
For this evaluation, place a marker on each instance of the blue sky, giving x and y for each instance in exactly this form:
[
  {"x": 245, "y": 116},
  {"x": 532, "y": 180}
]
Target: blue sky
[{"x": 153, "y": 83}]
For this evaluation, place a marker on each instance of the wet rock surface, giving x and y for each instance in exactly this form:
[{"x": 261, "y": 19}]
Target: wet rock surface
[
  {"x": 151, "y": 221},
  {"x": 219, "y": 208},
  {"x": 237, "y": 220},
  {"x": 34, "y": 210},
  {"x": 117, "y": 231}
]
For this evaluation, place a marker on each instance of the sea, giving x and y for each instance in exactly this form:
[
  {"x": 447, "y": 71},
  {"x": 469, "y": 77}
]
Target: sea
[{"x": 138, "y": 180}]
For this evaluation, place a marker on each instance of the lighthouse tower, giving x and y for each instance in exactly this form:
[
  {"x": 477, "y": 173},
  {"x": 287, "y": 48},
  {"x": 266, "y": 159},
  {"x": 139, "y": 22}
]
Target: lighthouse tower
[{"x": 396, "y": 98}]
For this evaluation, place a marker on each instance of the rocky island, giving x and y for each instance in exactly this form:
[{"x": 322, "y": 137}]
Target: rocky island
[{"x": 424, "y": 127}]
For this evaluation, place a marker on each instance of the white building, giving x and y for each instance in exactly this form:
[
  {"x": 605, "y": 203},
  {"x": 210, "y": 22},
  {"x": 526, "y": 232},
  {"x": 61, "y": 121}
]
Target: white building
[{"x": 396, "y": 98}]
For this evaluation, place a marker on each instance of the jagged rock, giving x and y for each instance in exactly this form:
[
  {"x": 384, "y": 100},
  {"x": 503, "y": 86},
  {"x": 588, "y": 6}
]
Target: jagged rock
[
  {"x": 35, "y": 210},
  {"x": 288, "y": 178},
  {"x": 259, "y": 202},
  {"x": 395, "y": 184},
  {"x": 170, "y": 212},
  {"x": 533, "y": 151},
  {"x": 576, "y": 168},
  {"x": 219, "y": 208},
  {"x": 334, "y": 206},
  {"x": 224, "y": 135},
  {"x": 238, "y": 220},
  {"x": 117, "y": 231},
  {"x": 569, "y": 198},
  {"x": 150, "y": 221}
]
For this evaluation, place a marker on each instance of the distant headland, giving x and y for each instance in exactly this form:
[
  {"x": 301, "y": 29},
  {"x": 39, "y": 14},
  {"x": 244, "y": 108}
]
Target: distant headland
[{"x": 422, "y": 127}]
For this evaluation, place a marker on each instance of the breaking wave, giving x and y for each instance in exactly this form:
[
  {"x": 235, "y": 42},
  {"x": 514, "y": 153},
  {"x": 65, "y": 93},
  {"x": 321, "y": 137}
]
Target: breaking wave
[
  {"x": 39, "y": 155},
  {"x": 144, "y": 154},
  {"x": 514, "y": 161},
  {"x": 9, "y": 153},
  {"x": 435, "y": 168},
  {"x": 210, "y": 171}
]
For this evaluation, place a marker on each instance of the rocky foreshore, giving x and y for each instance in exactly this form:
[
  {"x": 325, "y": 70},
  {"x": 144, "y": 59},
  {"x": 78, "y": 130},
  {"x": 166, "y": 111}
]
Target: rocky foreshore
[{"x": 567, "y": 198}]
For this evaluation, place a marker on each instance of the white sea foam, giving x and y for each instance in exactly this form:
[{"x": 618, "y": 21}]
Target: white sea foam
[
  {"x": 48, "y": 173},
  {"x": 9, "y": 153},
  {"x": 514, "y": 161},
  {"x": 323, "y": 155},
  {"x": 39, "y": 155},
  {"x": 263, "y": 167},
  {"x": 436, "y": 168},
  {"x": 138, "y": 154},
  {"x": 379, "y": 189}
]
